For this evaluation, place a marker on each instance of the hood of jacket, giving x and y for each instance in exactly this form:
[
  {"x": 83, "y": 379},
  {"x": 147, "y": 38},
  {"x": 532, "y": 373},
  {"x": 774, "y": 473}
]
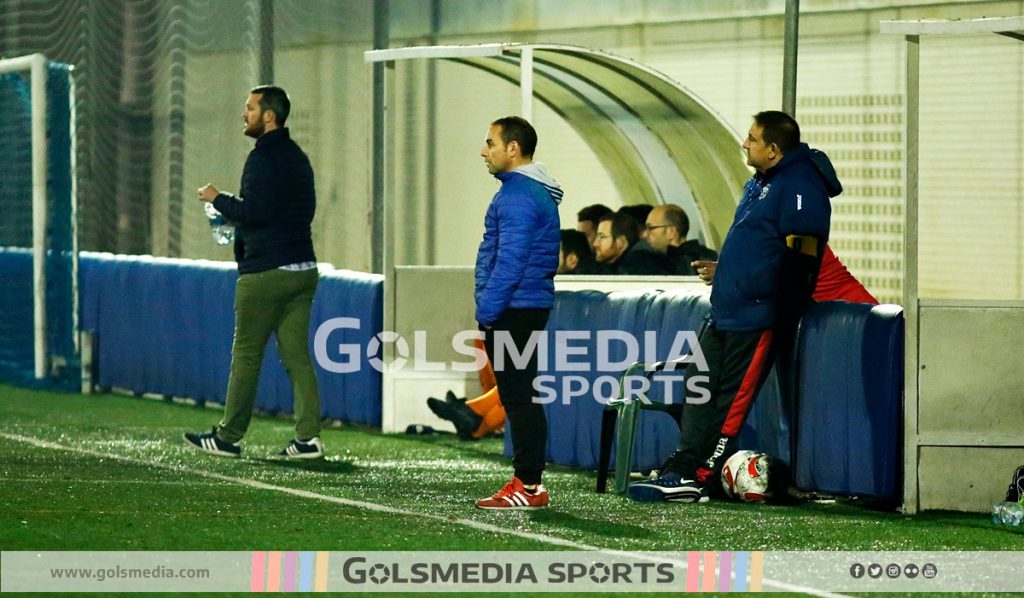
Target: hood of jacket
[
  {"x": 822, "y": 165},
  {"x": 538, "y": 172},
  {"x": 827, "y": 172}
]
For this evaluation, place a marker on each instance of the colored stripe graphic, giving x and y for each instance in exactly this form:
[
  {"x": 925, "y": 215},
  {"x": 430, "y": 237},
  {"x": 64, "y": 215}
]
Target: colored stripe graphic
[
  {"x": 756, "y": 571},
  {"x": 708, "y": 585},
  {"x": 259, "y": 564},
  {"x": 320, "y": 583},
  {"x": 306, "y": 571},
  {"x": 693, "y": 571},
  {"x": 741, "y": 569},
  {"x": 290, "y": 559},
  {"x": 724, "y": 570},
  {"x": 273, "y": 571}
]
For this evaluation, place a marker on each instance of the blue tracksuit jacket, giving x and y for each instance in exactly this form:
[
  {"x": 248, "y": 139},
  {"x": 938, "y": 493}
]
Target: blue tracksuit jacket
[
  {"x": 518, "y": 256},
  {"x": 753, "y": 283}
]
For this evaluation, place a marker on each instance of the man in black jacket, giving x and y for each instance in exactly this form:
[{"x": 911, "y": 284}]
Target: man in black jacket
[
  {"x": 278, "y": 277},
  {"x": 618, "y": 250},
  {"x": 665, "y": 231}
]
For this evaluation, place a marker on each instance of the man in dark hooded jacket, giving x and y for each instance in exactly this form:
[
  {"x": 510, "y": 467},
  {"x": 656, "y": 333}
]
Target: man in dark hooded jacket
[{"x": 765, "y": 278}]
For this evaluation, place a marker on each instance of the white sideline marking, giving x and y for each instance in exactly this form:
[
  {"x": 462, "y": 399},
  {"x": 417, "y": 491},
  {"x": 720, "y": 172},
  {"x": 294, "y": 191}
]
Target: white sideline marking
[
  {"x": 84, "y": 481},
  {"x": 487, "y": 527}
]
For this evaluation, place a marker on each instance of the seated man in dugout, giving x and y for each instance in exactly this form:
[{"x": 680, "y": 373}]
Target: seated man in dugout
[
  {"x": 575, "y": 256},
  {"x": 665, "y": 232},
  {"x": 617, "y": 251},
  {"x": 587, "y": 219}
]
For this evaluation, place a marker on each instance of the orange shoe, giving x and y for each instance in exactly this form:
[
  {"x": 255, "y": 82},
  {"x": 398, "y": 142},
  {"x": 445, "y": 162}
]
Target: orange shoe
[{"x": 514, "y": 497}]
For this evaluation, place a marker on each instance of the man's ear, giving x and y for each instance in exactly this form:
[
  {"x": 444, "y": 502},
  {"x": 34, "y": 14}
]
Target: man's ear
[{"x": 571, "y": 261}]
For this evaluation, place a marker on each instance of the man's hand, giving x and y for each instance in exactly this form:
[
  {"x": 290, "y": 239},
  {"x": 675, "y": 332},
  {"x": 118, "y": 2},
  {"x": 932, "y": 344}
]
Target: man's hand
[
  {"x": 208, "y": 193},
  {"x": 705, "y": 269}
]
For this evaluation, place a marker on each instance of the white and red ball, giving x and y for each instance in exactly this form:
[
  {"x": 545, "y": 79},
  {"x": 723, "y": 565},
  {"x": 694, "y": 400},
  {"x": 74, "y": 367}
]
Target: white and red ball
[{"x": 745, "y": 476}]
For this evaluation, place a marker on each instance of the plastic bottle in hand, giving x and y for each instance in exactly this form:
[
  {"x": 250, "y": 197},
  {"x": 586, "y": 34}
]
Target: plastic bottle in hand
[
  {"x": 1008, "y": 514},
  {"x": 223, "y": 232}
]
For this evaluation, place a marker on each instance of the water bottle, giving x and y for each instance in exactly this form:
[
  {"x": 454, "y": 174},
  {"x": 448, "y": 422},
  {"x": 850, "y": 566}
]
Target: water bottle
[
  {"x": 1008, "y": 514},
  {"x": 223, "y": 232}
]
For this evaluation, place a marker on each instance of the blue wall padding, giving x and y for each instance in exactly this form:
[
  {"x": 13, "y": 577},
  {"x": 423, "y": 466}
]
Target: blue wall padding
[
  {"x": 850, "y": 416},
  {"x": 17, "y": 349},
  {"x": 574, "y": 429},
  {"x": 849, "y": 364},
  {"x": 165, "y": 326}
]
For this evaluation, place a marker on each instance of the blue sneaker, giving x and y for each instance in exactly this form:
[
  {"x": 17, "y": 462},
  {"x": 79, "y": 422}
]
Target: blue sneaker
[
  {"x": 208, "y": 442},
  {"x": 669, "y": 487}
]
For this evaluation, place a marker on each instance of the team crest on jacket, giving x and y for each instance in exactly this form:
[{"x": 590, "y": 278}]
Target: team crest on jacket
[{"x": 764, "y": 192}]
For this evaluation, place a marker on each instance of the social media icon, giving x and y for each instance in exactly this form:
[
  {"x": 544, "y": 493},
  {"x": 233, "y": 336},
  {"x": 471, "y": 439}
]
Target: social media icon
[
  {"x": 875, "y": 570},
  {"x": 929, "y": 571},
  {"x": 911, "y": 571},
  {"x": 857, "y": 571},
  {"x": 893, "y": 571}
]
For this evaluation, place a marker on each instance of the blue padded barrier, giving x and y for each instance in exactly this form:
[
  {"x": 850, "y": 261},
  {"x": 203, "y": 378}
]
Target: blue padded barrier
[
  {"x": 574, "y": 428},
  {"x": 165, "y": 326},
  {"x": 17, "y": 330},
  {"x": 851, "y": 400},
  {"x": 849, "y": 380}
]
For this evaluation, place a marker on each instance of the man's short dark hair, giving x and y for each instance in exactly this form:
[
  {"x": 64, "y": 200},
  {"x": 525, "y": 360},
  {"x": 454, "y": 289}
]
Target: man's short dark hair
[
  {"x": 676, "y": 216},
  {"x": 593, "y": 213},
  {"x": 275, "y": 99},
  {"x": 638, "y": 212},
  {"x": 518, "y": 129},
  {"x": 623, "y": 225},
  {"x": 575, "y": 242},
  {"x": 779, "y": 128}
]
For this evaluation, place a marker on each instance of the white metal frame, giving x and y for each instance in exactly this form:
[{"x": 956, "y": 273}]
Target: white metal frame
[
  {"x": 914, "y": 438},
  {"x": 35, "y": 64}
]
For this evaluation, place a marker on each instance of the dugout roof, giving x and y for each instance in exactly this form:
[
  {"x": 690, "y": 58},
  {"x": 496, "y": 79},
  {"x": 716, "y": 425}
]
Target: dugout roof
[{"x": 659, "y": 142}]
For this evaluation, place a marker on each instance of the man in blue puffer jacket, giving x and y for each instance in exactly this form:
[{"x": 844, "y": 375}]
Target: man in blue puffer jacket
[
  {"x": 763, "y": 283},
  {"x": 515, "y": 291}
]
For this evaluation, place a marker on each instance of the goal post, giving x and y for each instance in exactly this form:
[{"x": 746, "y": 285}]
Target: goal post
[{"x": 39, "y": 172}]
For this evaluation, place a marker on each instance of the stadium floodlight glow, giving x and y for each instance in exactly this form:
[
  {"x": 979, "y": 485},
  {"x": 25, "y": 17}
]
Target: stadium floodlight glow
[{"x": 35, "y": 64}]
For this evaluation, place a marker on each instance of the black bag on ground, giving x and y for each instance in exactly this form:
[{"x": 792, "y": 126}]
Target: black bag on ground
[{"x": 1016, "y": 489}]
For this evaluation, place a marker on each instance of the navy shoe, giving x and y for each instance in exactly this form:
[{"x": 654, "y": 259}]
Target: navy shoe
[
  {"x": 465, "y": 419},
  {"x": 670, "y": 487},
  {"x": 303, "y": 449},
  {"x": 442, "y": 409},
  {"x": 449, "y": 397},
  {"x": 208, "y": 442}
]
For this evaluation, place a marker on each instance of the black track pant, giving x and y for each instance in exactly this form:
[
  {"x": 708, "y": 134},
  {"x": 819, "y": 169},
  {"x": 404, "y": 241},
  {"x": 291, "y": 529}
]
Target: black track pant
[
  {"x": 526, "y": 420},
  {"x": 738, "y": 363}
]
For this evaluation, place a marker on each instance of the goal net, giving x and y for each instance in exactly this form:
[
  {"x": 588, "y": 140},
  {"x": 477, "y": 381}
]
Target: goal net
[{"x": 38, "y": 240}]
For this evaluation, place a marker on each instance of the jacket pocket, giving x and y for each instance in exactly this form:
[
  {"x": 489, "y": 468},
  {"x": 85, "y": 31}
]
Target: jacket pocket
[{"x": 753, "y": 289}]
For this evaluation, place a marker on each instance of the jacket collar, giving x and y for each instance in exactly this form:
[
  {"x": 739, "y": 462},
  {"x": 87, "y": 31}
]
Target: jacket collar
[
  {"x": 278, "y": 134},
  {"x": 798, "y": 155}
]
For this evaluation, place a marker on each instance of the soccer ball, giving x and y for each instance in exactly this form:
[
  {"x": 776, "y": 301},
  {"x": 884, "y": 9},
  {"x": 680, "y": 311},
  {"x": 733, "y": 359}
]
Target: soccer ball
[{"x": 745, "y": 476}]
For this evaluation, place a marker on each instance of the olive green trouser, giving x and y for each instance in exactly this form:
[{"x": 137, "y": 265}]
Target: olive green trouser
[{"x": 265, "y": 302}]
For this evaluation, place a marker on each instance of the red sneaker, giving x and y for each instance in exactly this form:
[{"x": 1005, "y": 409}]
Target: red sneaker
[{"x": 514, "y": 497}]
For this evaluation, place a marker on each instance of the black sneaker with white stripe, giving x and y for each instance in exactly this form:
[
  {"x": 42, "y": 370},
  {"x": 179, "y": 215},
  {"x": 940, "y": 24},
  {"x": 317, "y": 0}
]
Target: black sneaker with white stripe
[
  {"x": 668, "y": 487},
  {"x": 208, "y": 442},
  {"x": 303, "y": 449}
]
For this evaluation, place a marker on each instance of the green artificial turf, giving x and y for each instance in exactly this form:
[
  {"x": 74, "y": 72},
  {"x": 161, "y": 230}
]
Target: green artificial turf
[{"x": 55, "y": 499}]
